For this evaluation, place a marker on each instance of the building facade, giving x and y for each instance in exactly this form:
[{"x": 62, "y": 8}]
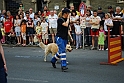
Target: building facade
[{"x": 37, "y": 5}]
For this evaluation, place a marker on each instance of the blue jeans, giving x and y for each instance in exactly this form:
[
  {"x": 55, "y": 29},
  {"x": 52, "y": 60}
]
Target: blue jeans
[
  {"x": 78, "y": 40},
  {"x": 61, "y": 52},
  {"x": 3, "y": 75},
  {"x": 88, "y": 36}
]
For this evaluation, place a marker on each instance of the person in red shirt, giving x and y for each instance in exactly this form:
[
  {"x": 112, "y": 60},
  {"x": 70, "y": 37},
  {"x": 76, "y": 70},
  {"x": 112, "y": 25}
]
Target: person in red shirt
[
  {"x": 10, "y": 16},
  {"x": 7, "y": 28}
]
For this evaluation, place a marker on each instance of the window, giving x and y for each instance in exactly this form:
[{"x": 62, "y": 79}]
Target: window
[{"x": 120, "y": 1}]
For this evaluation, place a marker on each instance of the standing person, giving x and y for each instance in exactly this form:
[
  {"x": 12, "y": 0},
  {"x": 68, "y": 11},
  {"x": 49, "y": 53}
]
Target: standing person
[
  {"x": 39, "y": 31},
  {"x": 52, "y": 19},
  {"x": 95, "y": 22},
  {"x": 44, "y": 26},
  {"x": 110, "y": 10},
  {"x": 88, "y": 29},
  {"x": 31, "y": 13},
  {"x": 78, "y": 34},
  {"x": 101, "y": 14},
  {"x": 3, "y": 67},
  {"x": 117, "y": 21},
  {"x": 10, "y": 16},
  {"x": 73, "y": 20},
  {"x": 17, "y": 23},
  {"x": 30, "y": 31},
  {"x": 101, "y": 38},
  {"x": 23, "y": 32},
  {"x": 62, "y": 39},
  {"x": 8, "y": 26},
  {"x": 107, "y": 24}
]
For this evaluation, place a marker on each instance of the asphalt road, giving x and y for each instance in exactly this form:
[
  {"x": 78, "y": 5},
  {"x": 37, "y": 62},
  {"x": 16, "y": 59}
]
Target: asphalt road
[{"x": 26, "y": 65}]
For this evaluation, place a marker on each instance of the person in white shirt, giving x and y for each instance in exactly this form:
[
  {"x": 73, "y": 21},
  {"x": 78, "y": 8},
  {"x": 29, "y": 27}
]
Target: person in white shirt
[
  {"x": 52, "y": 20},
  {"x": 78, "y": 34},
  {"x": 107, "y": 24},
  {"x": 44, "y": 26},
  {"x": 95, "y": 24},
  {"x": 31, "y": 13}
]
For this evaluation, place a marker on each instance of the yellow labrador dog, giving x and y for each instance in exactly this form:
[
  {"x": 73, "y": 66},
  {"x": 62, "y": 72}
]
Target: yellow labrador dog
[{"x": 52, "y": 48}]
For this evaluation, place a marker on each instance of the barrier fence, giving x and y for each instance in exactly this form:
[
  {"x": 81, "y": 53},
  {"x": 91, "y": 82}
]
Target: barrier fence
[{"x": 114, "y": 50}]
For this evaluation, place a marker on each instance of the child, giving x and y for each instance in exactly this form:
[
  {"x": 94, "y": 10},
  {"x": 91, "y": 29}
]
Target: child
[
  {"x": 44, "y": 26},
  {"x": 12, "y": 37},
  {"x": 101, "y": 38},
  {"x": 23, "y": 32},
  {"x": 17, "y": 29},
  {"x": 39, "y": 31},
  {"x": 78, "y": 34},
  {"x": 3, "y": 35}
]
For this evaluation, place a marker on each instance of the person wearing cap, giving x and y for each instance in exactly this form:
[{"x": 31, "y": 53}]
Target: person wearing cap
[
  {"x": 101, "y": 14},
  {"x": 110, "y": 10},
  {"x": 52, "y": 20},
  {"x": 61, "y": 39}
]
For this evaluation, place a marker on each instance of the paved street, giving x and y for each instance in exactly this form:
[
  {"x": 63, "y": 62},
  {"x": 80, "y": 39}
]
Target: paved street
[{"x": 26, "y": 65}]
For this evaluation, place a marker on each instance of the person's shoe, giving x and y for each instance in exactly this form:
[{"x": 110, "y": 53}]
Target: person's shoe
[
  {"x": 92, "y": 48},
  {"x": 102, "y": 49},
  {"x": 107, "y": 49},
  {"x": 64, "y": 68},
  {"x": 86, "y": 45},
  {"x": 53, "y": 64}
]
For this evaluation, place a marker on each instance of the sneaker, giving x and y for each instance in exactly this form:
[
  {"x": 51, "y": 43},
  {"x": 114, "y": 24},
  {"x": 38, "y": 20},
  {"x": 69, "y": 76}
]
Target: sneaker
[
  {"x": 99, "y": 49},
  {"x": 92, "y": 48},
  {"x": 29, "y": 43},
  {"x": 64, "y": 68},
  {"x": 53, "y": 64},
  {"x": 86, "y": 45},
  {"x": 102, "y": 49},
  {"x": 107, "y": 49}
]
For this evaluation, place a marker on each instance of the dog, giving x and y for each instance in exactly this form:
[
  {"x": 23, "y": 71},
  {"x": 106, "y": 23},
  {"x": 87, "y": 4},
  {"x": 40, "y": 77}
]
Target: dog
[{"x": 52, "y": 48}]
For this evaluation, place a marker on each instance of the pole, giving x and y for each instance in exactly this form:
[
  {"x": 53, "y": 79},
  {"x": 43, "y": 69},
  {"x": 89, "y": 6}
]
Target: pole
[{"x": 83, "y": 39}]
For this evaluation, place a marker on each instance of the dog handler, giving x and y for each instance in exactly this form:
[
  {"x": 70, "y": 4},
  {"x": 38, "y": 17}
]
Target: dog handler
[
  {"x": 61, "y": 39},
  {"x": 3, "y": 68}
]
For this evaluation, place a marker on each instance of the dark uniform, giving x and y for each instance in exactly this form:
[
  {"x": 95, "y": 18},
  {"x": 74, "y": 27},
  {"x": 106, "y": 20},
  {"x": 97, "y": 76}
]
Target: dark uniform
[{"x": 3, "y": 74}]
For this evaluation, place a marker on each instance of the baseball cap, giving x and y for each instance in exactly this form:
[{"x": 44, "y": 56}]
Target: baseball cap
[
  {"x": 65, "y": 10},
  {"x": 109, "y": 7},
  {"x": 99, "y": 8}
]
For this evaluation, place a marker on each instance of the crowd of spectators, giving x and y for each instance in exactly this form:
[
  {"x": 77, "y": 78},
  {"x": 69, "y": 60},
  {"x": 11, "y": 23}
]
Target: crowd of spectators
[{"x": 30, "y": 28}]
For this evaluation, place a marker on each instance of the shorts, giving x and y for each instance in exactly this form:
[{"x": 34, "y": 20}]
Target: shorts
[
  {"x": 18, "y": 34},
  {"x": 96, "y": 33},
  {"x": 23, "y": 36},
  {"x": 30, "y": 31},
  {"x": 38, "y": 36},
  {"x": 53, "y": 30},
  {"x": 44, "y": 36}
]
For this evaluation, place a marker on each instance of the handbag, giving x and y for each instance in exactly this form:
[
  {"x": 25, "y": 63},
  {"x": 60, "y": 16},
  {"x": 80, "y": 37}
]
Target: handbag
[{"x": 94, "y": 29}]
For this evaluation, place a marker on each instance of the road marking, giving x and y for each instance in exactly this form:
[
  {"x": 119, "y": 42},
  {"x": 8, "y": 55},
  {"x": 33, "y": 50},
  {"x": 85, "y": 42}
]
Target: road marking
[
  {"x": 27, "y": 80},
  {"x": 22, "y": 56}
]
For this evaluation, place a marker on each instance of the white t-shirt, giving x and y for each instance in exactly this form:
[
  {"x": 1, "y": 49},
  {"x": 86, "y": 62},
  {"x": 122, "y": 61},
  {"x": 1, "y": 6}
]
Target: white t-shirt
[
  {"x": 95, "y": 19},
  {"x": 32, "y": 15},
  {"x": 17, "y": 27},
  {"x": 72, "y": 18},
  {"x": 87, "y": 22},
  {"x": 77, "y": 28},
  {"x": 44, "y": 26},
  {"x": 107, "y": 21},
  {"x": 53, "y": 21}
]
